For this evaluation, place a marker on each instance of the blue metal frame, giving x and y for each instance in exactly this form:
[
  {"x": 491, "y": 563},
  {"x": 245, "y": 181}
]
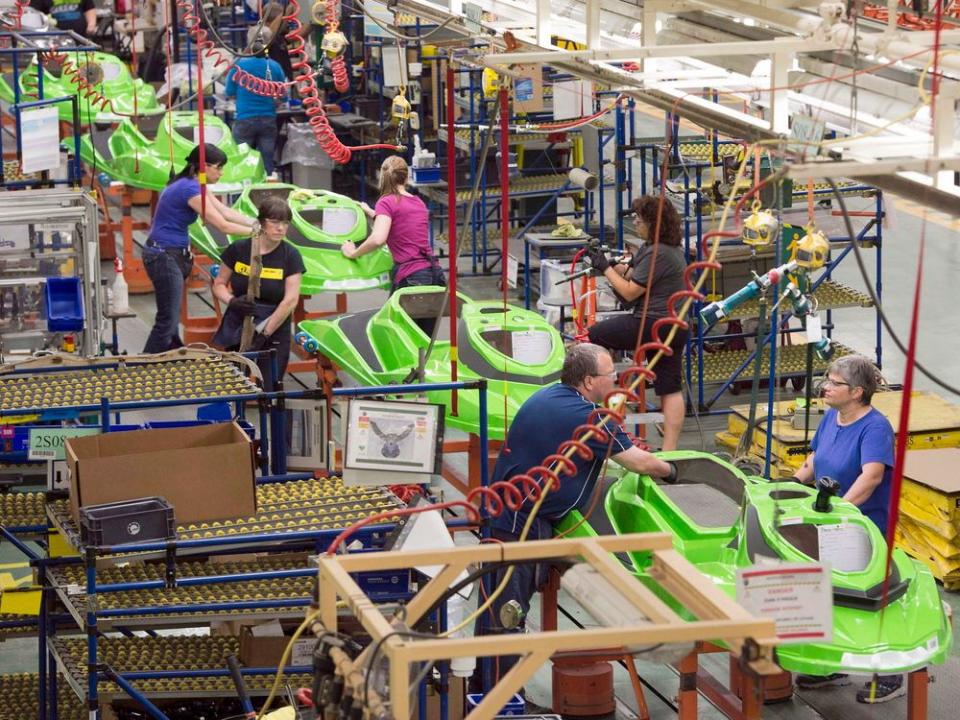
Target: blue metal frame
[
  {"x": 21, "y": 43},
  {"x": 871, "y": 232},
  {"x": 320, "y": 539}
]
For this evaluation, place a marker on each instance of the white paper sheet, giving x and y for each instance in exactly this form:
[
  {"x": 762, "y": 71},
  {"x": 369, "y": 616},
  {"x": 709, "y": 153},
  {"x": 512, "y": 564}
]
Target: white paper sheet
[
  {"x": 531, "y": 347},
  {"x": 846, "y": 547},
  {"x": 40, "y": 139}
]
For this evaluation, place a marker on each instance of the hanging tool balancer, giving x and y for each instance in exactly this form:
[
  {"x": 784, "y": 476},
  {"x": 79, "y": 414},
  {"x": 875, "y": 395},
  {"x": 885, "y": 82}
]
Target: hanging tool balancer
[{"x": 810, "y": 253}]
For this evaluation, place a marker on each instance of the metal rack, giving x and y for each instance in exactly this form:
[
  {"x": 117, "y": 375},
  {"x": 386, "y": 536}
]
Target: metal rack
[
  {"x": 158, "y": 586},
  {"x": 171, "y": 584},
  {"x": 49, "y": 234},
  {"x": 550, "y": 184},
  {"x": 32, "y": 43},
  {"x": 688, "y": 164},
  {"x": 163, "y": 667}
]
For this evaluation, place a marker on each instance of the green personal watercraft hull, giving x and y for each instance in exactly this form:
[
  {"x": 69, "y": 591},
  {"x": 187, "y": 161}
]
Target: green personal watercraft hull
[
  {"x": 138, "y": 151},
  {"x": 722, "y": 520},
  {"x": 516, "y": 350},
  {"x": 105, "y": 74},
  {"x": 322, "y": 222}
]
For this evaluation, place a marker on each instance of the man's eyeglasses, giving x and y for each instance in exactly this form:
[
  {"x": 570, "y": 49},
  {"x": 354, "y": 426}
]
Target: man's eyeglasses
[
  {"x": 612, "y": 375},
  {"x": 834, "y": 383}
]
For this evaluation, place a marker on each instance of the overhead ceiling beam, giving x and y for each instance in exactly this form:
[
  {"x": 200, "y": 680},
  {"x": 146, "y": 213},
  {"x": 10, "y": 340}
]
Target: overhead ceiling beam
[{"x": 664, "y": 51}]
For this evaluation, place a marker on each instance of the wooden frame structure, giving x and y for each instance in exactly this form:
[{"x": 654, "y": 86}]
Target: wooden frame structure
[{"x": 719, "y": 617}]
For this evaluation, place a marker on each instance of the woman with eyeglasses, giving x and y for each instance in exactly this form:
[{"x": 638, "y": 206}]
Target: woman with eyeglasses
[
  {"x": 166, "y": 254},
  {"x": 282, "y": 269},
  {"x": 401, "y": 221},
  {"x": 854, "y": 445},
  {"x": 664, "y": 251}
]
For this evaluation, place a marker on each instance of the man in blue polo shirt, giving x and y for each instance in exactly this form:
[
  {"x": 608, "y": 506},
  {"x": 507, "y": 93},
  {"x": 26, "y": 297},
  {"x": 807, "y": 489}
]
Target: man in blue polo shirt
[{"x": 545, "y": 420}]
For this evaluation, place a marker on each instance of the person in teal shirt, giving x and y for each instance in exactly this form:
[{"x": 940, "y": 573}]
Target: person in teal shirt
[{"x": 255, "y": 121}]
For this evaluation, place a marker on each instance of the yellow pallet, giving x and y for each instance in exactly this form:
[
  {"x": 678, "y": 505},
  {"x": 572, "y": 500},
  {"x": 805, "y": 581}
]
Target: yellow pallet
[
  {"x": 934, "y": 423},
  {"x": 729, "y": 442},
  {"x": 945, "y": 570},
  {"x": 947, "y": 549},
  {"x": 943, "y": 505},
  {"x": 930, "y": 520}
]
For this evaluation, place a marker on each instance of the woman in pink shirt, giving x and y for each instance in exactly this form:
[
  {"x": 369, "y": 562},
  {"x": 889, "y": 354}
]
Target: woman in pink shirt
[{"x": 402, "y": 222}]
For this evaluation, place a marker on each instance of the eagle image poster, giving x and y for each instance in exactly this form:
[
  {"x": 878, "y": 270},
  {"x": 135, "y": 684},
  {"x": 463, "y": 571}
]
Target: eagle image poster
[{"x": 392, "y": 436}]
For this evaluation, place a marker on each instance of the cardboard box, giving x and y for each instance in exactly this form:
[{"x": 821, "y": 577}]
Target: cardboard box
[
  {"x": 937, "y": 469},
  {"x": 206, "y": 471},
  {"x": 455, "y": 700},
  {"x": 263, "y": 646}
]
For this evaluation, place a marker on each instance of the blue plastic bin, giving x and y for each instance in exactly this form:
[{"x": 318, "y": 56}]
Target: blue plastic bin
[
  {"x": 426, "y": 175},
  {"x": 516, "y": 706},
  {"x": 14, "y": 443},
  {"x": 64, "y": 304}
]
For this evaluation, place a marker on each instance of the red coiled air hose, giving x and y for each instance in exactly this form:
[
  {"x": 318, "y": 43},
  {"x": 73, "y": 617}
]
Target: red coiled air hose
[
  {"x": 341, "y": 76},
  {"x": 508, "y": 494},
  {"x": 304, "y": 79},
  {"x": 70, "y": 70},
  {"x": 338, "y": 65}
]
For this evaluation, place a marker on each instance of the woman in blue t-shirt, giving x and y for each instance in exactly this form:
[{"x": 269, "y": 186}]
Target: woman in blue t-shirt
[
  {"x": 166, "y": 254},
  {"x": 854, "y": 445}
]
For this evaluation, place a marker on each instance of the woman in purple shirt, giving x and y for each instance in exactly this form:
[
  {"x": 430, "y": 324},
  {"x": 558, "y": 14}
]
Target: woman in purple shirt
[
  {"x": 166, "y": 254},
  {"x": 402, "y": 223}
]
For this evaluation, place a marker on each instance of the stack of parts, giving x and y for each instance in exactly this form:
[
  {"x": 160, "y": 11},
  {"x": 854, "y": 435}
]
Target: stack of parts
[
  {"x": 19, "y": 693},
  {"x": 934, "y": 423},
  {"x": 168, "y": 653},
  {"x": 22, "y": 509},
  {"x": 70, "y": 582},
  {"x": 929, "y": 524},
  {"x": 181, "y": 379},
  {"x": 303, "y": 505}
]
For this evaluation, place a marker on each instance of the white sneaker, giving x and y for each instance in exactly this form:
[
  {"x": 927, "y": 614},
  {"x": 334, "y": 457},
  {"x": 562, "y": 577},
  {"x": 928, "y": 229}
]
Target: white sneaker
[{"x": 273, "y": 177}]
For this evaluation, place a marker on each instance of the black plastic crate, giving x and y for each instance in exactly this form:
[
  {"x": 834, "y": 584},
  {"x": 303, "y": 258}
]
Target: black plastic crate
[{"x": 128, "y": 521}]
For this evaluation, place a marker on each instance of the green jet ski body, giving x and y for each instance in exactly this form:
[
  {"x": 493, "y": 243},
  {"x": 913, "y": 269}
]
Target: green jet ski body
[
  {"x": 722, "y": 521},
  {"x": 138, "y": 151},
  {"x": 105, "y": 74},
  {"x": 322, "y": 222},
  {"x": 517, "y": 351}
]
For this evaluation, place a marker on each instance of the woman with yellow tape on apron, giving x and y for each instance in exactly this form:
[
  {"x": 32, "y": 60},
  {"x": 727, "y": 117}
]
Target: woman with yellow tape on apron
[{"x": 282, "y": 269}]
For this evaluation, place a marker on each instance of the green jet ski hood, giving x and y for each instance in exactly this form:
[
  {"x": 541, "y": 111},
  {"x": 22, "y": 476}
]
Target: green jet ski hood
[
  {"x": 722, "y": 520},
  {"x": 107, "y": 74},
  {"x": 322, "y": 222},
  {"x": 137, "y": 152},
  {"x": 516, "y": 350}
]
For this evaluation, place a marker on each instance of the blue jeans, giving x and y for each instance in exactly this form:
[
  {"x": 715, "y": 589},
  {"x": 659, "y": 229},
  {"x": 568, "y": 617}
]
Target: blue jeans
[
  {"x": 167, "y": 278},
  {"x": 260, "y": 133}
]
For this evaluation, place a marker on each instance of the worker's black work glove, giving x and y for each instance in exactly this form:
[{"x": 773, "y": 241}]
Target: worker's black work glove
[
  {"x": 259, "y": 342},
  {"x": 672, "y": 477},
  {"x": 242, "y": 304},
  {"x": 598, "y": 260}
]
